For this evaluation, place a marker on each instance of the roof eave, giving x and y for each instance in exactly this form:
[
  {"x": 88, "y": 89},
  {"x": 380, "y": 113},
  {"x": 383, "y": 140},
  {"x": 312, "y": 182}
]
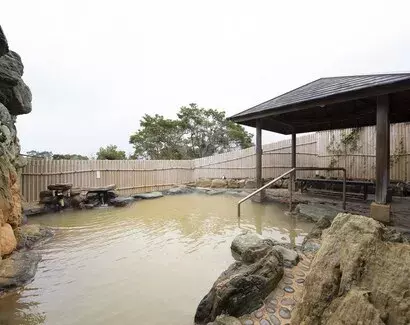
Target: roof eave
[{"x": 333, "y": 99}]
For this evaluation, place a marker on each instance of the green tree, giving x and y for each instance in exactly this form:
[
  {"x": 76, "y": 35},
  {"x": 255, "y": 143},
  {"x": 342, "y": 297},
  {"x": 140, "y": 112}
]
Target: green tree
[
  {"x": 158, "y": 138},
  {"x": 196, "y": 133},
  {"x": 69, "y": 157},
  {"x": 111, "y": 152},
  {"x": 39, "y": 154}
]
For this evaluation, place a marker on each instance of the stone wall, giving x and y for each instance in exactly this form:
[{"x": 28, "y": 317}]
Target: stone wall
[{"x": 15, "y": 99}]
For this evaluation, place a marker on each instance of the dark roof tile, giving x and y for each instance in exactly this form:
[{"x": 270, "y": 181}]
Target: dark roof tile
[{"x": 324, "y": 88}]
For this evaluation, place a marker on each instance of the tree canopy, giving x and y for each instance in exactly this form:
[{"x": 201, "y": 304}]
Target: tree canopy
[
  {"x": 39, "y": 154},
  {"x": 197, "y": 132},
  {"x": 111, "y": 152},
  {"x": 49, "y": 154},
  {"x": 69, "y": 157}
]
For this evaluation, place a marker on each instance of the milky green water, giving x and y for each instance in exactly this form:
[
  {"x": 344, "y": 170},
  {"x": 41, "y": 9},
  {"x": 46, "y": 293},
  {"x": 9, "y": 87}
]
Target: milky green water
[{"x": 149, "y": 263}]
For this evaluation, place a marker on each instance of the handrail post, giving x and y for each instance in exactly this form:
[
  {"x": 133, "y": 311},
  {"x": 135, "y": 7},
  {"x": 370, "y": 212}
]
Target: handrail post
[{"x": 293, "y": 170}]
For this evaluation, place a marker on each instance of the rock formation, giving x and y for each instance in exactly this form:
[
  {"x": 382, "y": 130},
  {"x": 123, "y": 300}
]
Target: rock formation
[
  {"x": 360, "y": 275},
  {"x": 245, "y": 284},
  {"x": 15, "y": 99}
]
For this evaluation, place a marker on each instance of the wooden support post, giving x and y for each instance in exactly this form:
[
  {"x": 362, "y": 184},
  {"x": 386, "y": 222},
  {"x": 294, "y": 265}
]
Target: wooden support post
[
  {"x": 292, "y": 178},
  {"x": 382, "y": 150},
  {"x": 259, "y": 160}
]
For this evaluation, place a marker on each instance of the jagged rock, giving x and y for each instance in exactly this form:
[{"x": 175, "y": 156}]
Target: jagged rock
[
  {"x": 18, "y": 269},
  {"x": 317, "y": 229},
  {"x": 17, "y": 99},
  {"x": 59, "y": 187},
  {"x": 10, "y": 68},
  {"x": 242, "y": 287},
  {"x": 241, "y": 183},
  {"x": 246, "y": 240},
  {"x": 219, "y": 183},
  {"x": 315, "y": 212},
  {"x": 48, "y": 199},
  {"x": 392, "y": 235},
  {"x": 288, "y": 254},
  {"x": 150, "y": 195},
  {"x": 250, "y": 183},
  {"x": 178, "y": 190},
  {"x": 8, "y": 241},
  {"x": 4, "y": 47},
  {"x": 226, "y": 320},
  {"x": 78, "y": 201},
  {"x": 203, "y": 182},
  {"x": 37, "y": 210},
  {"x": 121, "y": 201},
  {"x": 46, "y": 193},
  {"x": 28, "y": 235},
  {"x": 112, "y": 194},
  {"x": 356, "y": 277},
  {"x": 233, "y": 183}
]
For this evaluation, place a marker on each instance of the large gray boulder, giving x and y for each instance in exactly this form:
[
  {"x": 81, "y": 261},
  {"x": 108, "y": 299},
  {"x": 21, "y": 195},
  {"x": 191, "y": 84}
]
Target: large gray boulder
[
  {"x": 246, "y": 240},
  {"x": 242, "y": 288},
  {"x": 18, "y": 269}
]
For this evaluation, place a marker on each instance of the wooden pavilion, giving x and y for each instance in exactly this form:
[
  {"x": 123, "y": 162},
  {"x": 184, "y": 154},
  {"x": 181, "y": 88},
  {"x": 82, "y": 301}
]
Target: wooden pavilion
[{"x": 337, "y": 103}]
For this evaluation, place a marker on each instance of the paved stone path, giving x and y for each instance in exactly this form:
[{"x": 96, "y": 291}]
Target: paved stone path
[{"x": 278, "y": 306}]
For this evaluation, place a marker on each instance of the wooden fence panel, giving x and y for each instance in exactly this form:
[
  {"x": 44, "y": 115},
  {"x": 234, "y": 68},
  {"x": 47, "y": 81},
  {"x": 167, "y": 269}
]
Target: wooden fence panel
[
  {"x": 360, "y": 163},
  {"x": 132, "y": 176}
]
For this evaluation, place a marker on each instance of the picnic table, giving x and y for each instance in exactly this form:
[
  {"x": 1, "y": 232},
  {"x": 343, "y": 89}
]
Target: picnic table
[{"x": 308, "y": 183}]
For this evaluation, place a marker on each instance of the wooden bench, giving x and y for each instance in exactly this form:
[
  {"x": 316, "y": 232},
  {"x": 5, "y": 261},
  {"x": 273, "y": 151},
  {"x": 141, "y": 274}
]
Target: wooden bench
[{"x": 308, "y": 183}]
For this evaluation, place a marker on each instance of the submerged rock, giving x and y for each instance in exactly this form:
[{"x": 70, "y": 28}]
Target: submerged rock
[
  {"x": 121, "y": 201},
  {"x": 150, "y": 195},
  {"x": 216, "y": 192},
  {"x": 356, "y": 277},
  {"x": 28, "y": 235},
  {"x": 178, "y": 190},
  {"x": 18, "y": 269},
  {"x": 243, "y": 286},
  {"x": 315, "y": 212}
]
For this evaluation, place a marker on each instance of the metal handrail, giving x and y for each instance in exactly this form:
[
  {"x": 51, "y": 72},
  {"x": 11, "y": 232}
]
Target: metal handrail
[{"x": 291, "y": 188}]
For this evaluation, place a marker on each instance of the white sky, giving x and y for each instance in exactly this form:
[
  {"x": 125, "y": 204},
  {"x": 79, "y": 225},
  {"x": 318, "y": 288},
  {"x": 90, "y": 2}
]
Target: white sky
[{"x": 95, "y": 67}]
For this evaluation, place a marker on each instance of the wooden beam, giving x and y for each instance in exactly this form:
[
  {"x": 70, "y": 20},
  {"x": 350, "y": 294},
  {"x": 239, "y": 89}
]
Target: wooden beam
[{"x": 382, "y": 149}]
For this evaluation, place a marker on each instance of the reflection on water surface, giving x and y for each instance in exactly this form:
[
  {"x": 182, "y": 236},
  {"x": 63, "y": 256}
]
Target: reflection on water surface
[{"x": 150, "y": 263}]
